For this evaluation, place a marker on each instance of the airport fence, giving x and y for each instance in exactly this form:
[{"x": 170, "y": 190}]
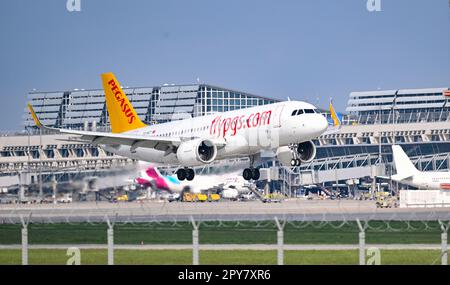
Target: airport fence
[{"x": 366, "y": 233}]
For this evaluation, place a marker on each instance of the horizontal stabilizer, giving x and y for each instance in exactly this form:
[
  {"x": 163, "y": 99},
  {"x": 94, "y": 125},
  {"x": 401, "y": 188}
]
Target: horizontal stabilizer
[{"x": 399, "y": 178}]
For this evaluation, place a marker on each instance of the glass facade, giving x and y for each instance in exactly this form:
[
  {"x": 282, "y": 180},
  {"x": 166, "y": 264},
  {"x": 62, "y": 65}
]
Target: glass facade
[
  {"x": 213, "y": 99},
  {"x": 398, "y": 106}
]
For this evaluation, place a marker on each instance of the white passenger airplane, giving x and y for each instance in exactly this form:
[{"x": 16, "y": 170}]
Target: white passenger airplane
[
  {"x": 151, "y": 177},
  {"x": 408, "y": 174},
  {"x": 285, "y": 128}
]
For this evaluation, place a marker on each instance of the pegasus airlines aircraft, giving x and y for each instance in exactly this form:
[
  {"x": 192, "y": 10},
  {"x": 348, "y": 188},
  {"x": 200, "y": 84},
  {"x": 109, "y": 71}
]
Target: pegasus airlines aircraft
[
  {"x": 408, "y": 174},
  {"x": 286, "y": 128}
]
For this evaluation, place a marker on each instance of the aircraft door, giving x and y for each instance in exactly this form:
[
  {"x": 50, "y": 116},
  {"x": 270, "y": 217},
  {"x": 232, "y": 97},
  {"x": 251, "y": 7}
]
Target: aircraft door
[
  {"x": 275, "y": 126},
  {"x": 277, "y": 116}
]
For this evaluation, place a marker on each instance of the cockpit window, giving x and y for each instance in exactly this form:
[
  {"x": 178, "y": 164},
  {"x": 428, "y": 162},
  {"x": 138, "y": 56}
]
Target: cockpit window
[{"x": 304, "y": 111}]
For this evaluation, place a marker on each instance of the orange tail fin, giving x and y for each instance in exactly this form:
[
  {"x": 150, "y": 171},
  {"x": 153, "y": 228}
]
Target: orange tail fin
[{"x": 122, "y": 115}]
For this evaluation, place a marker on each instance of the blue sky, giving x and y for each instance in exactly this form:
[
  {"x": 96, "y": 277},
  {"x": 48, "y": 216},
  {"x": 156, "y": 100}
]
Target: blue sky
[{"x": 307, "y": 50}]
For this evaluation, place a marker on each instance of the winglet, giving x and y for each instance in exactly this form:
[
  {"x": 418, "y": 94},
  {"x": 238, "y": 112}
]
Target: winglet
[
  {"x": 334, "y": 115},
  {"x": 34, "y": 116}
]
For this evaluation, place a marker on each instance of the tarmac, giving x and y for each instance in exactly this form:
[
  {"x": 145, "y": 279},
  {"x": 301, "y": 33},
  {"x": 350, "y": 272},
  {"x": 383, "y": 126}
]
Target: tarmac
[{"x": 148, "y": 211}]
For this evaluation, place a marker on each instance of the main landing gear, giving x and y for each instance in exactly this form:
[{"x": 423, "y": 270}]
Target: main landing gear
[
  {"x": 185, "y": 173},
  {"x": 252, "y": 172}
]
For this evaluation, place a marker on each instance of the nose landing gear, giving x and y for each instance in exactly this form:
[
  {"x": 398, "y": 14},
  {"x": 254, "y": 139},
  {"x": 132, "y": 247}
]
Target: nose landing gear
[{"x": 295, "y": 162}]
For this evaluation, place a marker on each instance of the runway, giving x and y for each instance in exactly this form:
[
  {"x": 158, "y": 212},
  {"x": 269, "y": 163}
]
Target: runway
[{"x": 148, "y": 211}]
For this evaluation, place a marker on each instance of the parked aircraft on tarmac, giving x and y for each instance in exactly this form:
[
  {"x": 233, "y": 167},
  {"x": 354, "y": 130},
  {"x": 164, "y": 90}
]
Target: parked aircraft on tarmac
[
  {"x": 408, "y": 174},
  {"x": 229, "y": 185}
]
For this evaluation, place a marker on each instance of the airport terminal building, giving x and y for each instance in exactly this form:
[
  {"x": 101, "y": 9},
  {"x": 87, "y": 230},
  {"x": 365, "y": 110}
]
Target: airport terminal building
[
  {"x": 407, "y": 116},
  {"x": 399, "y": 106},
  {"x": 419, "y": 119},
  {"x": 80, "y": 109}
]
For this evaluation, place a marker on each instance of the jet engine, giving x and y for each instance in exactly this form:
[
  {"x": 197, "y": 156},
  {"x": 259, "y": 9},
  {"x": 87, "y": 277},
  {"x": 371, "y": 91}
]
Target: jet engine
[
  {"x": 196, "y": 152},
  {"x": 306, "y": 151}
]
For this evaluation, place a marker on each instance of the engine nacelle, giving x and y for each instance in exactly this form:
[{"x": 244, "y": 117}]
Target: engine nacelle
[
  {"x": 196, "y": 152},
  {"x": 284, "y": 155},
  {"x": 306, "y": 151}
]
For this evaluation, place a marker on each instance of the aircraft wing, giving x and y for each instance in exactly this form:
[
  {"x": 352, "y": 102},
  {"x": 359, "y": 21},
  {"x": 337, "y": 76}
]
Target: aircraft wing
[
  {"x": 159, "y": 143},
  {"x": 400, "y": 178},
  {"x": 125, "y": 139}
]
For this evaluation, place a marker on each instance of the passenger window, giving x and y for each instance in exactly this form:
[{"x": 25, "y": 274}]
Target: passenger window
[{"x": 294, "y": 113}]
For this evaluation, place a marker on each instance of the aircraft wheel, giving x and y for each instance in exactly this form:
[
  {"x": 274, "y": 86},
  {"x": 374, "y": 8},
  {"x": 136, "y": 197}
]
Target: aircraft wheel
[
  {"x": 181, "y": 174},
  {"x": 190, "y": 174},
  {"x": 293, "y": 162},
  {"x": 255, "y": 173},
  {"x": 298, "y": 162},
  {"x": 247, "y": 174}
]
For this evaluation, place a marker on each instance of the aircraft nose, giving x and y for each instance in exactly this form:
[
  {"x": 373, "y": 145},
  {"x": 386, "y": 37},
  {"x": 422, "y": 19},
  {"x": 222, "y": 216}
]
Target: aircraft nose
[{"x": 322, "y": 124}]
